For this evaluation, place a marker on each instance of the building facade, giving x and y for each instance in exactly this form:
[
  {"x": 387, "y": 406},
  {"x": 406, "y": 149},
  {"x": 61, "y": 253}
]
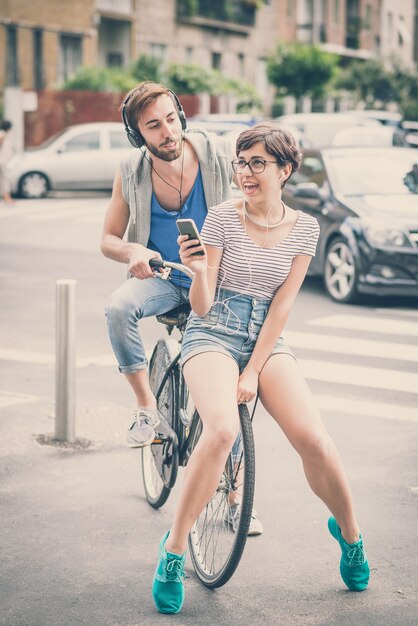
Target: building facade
[{"x": 43, "y": 42}]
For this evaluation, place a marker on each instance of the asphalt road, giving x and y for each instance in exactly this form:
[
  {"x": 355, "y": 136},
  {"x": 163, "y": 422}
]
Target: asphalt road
[{"x": 77, "y": 538}]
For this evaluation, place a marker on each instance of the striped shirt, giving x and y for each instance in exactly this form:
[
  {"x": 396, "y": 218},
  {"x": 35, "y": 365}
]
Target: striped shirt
[{"x": 247, "y": 267}]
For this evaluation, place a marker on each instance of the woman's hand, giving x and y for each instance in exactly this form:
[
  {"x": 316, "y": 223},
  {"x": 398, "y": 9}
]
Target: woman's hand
[
  {"x": 198, "y": 263},
  {"x": 247, "y": 385}
]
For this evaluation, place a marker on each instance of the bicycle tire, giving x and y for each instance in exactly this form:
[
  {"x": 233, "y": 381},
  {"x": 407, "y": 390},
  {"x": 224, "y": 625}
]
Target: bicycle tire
[
  {"x": 215, "y": 563},
  {"x": 159, "y": 462}
]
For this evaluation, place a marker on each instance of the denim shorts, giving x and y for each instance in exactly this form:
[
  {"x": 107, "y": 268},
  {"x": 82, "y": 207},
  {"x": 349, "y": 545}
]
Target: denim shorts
[{"x": 230, "y": 327}]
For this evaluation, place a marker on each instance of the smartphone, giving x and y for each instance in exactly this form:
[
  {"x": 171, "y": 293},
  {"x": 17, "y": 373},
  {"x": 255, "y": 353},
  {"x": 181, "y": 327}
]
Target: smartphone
[{"x": 188, "y": 227}]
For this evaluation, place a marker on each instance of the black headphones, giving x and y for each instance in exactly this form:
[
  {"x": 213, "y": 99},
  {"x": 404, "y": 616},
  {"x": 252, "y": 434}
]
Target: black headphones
[{"x": 134, "y": 136}]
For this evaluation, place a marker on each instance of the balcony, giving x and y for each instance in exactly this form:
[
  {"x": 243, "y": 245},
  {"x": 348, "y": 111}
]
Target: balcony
[
  {"x": 229, "y": 15},
  {"x": 121, "y": 7}
]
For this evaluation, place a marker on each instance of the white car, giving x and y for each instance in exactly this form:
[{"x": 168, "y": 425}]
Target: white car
[
  {"x": 317, "y": 129},
  {"x": 84, "y": 156}
]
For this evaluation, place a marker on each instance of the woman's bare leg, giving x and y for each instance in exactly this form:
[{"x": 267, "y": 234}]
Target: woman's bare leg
[
  {"x": 212, "y": 380},
  {"x": 286, "y": 396}
]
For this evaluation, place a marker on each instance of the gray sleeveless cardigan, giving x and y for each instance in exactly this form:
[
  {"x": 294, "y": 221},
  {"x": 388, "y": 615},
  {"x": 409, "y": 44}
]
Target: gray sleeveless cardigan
[{"x": 214, "y": 154}]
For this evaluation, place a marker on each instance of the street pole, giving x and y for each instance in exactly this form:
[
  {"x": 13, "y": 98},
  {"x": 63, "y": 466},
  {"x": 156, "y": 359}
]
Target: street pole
[{"x": 65, "y": 360}]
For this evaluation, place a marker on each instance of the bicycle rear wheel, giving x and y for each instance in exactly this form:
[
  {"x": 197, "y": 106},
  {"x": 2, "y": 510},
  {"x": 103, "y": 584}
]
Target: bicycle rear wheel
[
  {"x": 215, "y": 548},
  {"x": 159, "y": 461}
]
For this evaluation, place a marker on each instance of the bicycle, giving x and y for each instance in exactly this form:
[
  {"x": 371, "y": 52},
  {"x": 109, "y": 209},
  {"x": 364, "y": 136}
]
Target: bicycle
[{"x": 214, "y": 549}]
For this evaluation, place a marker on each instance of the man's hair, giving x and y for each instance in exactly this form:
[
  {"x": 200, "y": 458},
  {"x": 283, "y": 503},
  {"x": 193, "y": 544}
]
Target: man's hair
[
  {"x": 5, "y": 125},
  {"x": 140, "y": 97},
  {"x": 276, "y": 140}
]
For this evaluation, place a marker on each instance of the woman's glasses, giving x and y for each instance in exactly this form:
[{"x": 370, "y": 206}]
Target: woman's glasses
[{"x": 256, "y": 165}]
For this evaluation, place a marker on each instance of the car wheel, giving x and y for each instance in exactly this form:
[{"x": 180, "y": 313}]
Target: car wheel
[
  {"x": 33, "y": 185},
  {"x": 340, "y": 272}
]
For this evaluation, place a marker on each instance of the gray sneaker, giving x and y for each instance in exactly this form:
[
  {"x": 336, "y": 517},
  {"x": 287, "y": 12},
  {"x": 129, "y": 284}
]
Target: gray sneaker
[
  {"x": 232, "y": 519},
  {"x": 141, "y": 433}
]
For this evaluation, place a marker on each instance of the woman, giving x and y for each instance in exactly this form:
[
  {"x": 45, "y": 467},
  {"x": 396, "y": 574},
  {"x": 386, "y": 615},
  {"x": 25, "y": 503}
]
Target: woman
[{"x": 257, "y": 252}]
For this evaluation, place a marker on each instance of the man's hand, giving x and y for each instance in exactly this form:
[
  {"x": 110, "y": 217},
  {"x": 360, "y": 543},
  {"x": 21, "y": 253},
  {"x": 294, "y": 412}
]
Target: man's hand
[{"x": 138, "y": 264}]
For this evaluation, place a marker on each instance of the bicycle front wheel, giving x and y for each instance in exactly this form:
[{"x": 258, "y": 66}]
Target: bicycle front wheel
[
  {"x": 218, "y": 537},
  {"x": 160, "y": 460}
]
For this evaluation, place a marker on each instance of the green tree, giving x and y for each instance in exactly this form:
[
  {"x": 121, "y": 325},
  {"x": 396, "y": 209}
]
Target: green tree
[
  {"x": 100, "y": 79},
  {"x": 369, "y": 80},
  {"x": 298, "y": 69},
  {"x": 189, "y": 78},
  {"x": 147, "y": 68}
]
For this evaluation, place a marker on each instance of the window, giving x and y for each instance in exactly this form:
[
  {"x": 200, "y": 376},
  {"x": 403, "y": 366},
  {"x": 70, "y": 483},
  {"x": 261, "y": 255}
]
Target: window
[
  {"x": 189, "y": 54},
  {"x": 12, "y": 70},
  {"x": 241, "y": 64},
  {"x": 216, "y": 60},
  {"x": 38, "y": 65},
  {"x": 336, "y": 11},
  {"x": 368, "y": 18},
  {"x": 390, "y": 28},
  {"x": 289, "y": 9},
  {"x": 70, "y": 56},
  {"x": 158, "y": 50},
  {"x": 85, "y": 141},
  {"x": 118, "y": 140},
  {"x": 114, "y": 59}
]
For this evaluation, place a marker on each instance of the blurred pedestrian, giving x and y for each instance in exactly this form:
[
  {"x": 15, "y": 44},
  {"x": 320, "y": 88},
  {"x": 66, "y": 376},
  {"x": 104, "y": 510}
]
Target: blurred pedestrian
[{"x": 6, "y": 153}]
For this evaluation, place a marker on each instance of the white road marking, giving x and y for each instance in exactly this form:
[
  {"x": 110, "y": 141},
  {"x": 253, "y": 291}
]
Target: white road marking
[
  {"x": 347, "y": 345},
  {"x": 378, "y": 378},
  {"x": 24, "y": 356},
  {"x": 368, "y": 324},
  {"x": 8, "y": 398},
  {"x": 366, "y": 408},
  {"x": 401, "y": 312}
]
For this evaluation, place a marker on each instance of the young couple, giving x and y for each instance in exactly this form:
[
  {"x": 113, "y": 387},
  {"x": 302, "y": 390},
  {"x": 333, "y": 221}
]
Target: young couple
[{"x": 256, "y": 255}]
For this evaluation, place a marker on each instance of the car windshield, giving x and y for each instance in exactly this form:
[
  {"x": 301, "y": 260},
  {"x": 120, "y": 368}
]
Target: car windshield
[{"x": 360, "y": 174}]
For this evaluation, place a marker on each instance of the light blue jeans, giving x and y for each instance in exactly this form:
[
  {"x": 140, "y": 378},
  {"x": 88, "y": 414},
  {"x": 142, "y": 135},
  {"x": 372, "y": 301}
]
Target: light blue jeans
[{"x": 132, "y": 301}]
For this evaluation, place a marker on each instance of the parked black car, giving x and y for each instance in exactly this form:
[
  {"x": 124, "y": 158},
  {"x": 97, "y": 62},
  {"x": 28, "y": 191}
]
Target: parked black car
[{"x": 366, "y": 202}]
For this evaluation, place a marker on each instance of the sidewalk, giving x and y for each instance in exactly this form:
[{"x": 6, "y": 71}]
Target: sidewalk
[{"x": 78, "y": 541}]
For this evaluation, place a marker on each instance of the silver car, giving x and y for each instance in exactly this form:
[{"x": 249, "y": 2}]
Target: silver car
[{"x": 84, "y": 156}]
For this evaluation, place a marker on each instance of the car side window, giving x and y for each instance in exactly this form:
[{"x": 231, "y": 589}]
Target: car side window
[
  {"x": 311, "y": 170},
  {"x": 118, "y": 140},
  {"x": 84, "y": 141}
]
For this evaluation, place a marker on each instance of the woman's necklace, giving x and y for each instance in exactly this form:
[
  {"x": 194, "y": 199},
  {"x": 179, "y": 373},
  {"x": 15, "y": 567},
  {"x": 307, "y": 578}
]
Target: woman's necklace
[{"x": 260, "y": 223}]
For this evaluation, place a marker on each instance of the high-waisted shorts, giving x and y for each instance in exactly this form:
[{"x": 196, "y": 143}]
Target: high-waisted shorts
[{"x": 231, "y": 327}]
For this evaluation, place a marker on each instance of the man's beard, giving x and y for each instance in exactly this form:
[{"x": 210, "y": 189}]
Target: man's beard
[{"x": 166, "y": 155}]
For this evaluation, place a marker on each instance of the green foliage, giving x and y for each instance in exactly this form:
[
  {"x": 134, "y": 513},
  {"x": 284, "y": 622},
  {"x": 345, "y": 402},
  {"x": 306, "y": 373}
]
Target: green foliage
[
  {"x": 189, "y": 78},
  {"x": 247, "y": 96},
  {"x": 369, "y": 80},
  {"x": 298, "y": 69},
  {"x": 147, "y": 68},
  {"x": 100, "y": 79}
]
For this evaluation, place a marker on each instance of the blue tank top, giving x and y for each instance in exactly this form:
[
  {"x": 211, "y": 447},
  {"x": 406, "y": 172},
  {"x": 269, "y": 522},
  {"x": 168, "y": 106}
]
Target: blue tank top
[{"x": 164, "y": 233}]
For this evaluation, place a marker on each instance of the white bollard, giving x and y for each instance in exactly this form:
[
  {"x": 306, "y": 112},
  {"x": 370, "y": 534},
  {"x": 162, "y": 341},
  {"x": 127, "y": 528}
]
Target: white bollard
[{"x": 65, "y": 328}]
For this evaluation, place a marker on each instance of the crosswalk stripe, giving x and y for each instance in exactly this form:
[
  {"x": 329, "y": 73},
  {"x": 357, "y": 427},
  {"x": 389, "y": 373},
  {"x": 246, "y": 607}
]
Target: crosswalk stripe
[
  {"x": 378, "y": 378},
  {"x": 368, "y": 324},
  {"x": 63, "y": 214},
  {"x": 347, "y": 345},
  {"x": 8, "y": 398},
  {"x": 367, "y": 409},
  {"x": 361, "y": 376},
  {"x": 401, "y": 312}
]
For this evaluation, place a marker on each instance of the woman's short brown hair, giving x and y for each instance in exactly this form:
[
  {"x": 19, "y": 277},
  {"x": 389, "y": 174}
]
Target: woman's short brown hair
[
  {"x": 140, "y": 97},
  {"x": 276, "y": 140}
]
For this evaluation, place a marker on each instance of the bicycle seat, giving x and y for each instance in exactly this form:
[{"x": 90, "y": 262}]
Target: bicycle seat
[{"x": 175, "y": 317}]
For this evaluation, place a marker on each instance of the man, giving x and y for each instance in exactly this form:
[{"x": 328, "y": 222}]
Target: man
[{"x": 175, "y": 173}]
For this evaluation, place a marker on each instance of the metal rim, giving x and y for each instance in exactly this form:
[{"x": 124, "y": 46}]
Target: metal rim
[
  {"x": 340, "y": 271},
  {"x": 34, "y": 185}
]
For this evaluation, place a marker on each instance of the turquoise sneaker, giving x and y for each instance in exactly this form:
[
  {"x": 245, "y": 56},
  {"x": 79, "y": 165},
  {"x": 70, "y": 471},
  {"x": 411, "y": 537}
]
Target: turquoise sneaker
[
  {"x": 168, "y": 585},
  {"x": 354, "y": 567}
]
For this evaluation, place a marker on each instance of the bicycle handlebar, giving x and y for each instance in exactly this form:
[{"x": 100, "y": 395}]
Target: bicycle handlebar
[{"x": 157, "y": 264}]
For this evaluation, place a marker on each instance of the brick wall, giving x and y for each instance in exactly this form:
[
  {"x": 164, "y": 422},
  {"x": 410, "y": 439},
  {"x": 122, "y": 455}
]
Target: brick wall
[{"x": 58, "y": 109}]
